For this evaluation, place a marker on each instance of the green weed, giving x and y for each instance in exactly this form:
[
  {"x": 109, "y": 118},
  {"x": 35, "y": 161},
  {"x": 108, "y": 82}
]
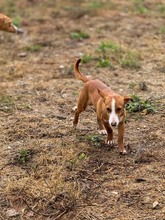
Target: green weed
[
  {"x": 24, "y": 156},
  {"x": 25, "y": 107},
  {"x": 130, "y": 60},
  {"x": 93, "y": 139},
  {"x": 86, "y": 58},
  {"x": 82, "y": 156},
  {"x": 16, "y": 21},
  {"x": 104, "y": 63},
  {"x": 139, "y": 7},
  {"x": 117, "y": 54},
  {"x": 161, "y": 9},
  {"x": 95, "y": 4},
  {"x": 33, "y": 48},
  {"x": 140, "y": 105},
  {"x": 79, "y": 35},
  {"x": 132, "y": 85},
  {"x": 108, "y": 47},
  {"x": 7, "y": 103}
]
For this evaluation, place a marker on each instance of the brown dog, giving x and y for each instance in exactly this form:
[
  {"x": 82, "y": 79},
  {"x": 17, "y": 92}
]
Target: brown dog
[{"x": 110, "y": 107}]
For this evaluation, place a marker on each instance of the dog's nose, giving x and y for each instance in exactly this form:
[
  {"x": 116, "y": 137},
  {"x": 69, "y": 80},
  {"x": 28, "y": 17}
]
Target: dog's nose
[{"x": 113, "y": 124}]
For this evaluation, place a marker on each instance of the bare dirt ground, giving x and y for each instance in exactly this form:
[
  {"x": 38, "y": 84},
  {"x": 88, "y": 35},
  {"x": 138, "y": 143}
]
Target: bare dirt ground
[{"x": 47, "y": 169}]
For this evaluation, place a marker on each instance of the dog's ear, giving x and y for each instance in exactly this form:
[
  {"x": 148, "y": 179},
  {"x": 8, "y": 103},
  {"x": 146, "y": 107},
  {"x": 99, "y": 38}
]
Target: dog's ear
[
  {"x": 102, "y": 94},
  {"x": 127, "y": 99}
]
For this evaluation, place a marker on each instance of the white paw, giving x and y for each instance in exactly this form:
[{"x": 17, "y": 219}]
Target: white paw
[
  {"x": 102, "y": 131},
  {"x": 123, "y": 151},
  {"x": 110, "y": 142}
]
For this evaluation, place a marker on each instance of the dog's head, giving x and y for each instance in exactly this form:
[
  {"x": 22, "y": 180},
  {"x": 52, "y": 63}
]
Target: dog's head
[{"x": 114, "y": 107}]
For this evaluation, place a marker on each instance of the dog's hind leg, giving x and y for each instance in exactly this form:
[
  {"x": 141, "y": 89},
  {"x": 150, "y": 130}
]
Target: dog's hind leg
[{"x": 81, "y": 106}]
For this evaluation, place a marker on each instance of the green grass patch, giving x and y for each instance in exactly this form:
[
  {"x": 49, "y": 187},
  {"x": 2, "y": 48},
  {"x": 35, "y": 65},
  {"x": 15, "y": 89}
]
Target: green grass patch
[
  {"x": 86, "y": 58},
  {"x": 161, "y": 9},
  {"x": 103, "y": 63},
  {"x": 24, "y": 156},
  {"x": 140, "y": 105},
  {"x": 132, "y": 85},
  {"x": 105, "y": 48},
  {"x": 110, "y": 53},
  {"x": 139, "y": 6},
  {"x": 79, "y": 35},
  {"x": 93, "y": 139},
  {"x": 33, "y": 48},
  {"x": 95, "y": 4},
  {"x": 72, "y": 162},
  {"x": 7, "y": 103},
  {"x": 130, "y": 60},
  {"x": 16, "y": 21}
]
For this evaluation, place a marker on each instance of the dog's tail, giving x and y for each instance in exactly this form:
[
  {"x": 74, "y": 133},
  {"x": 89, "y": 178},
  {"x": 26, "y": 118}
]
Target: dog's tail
[{"x": 77, "y": 72}]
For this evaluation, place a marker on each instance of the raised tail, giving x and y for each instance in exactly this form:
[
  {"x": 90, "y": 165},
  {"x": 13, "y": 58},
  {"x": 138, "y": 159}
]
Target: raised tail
[{"x": 77, "y": 72}]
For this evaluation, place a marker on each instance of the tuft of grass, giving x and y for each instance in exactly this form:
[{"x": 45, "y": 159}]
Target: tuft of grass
[
  {"x": 108, "y": 47},
  {"x": 86, "y": 58},
  {"x": 130, "y": 60},
  {"x": 103, "y": 63},
  {"x": 7, "y": 103},
  {"x": 82, "y": 156},
  {"x": 140, "y": 7},
  {"x": 72, "y": 162},
  {"x": 79, "y": 35},
  {"x": 132, "y": 85},
  {"x": 24, "y": 156},
  {"x": 95, "y": 4},
  {"x": 16, "y": 21},
  {"x": 161, "y": 9},
  {"x": 94, "y": 140},
  {"x": 140, "y": 105},
  {"x": 25, "y": 107},
  {"x": 33, "y": 48},
  {"x": 117, "y": 54}
]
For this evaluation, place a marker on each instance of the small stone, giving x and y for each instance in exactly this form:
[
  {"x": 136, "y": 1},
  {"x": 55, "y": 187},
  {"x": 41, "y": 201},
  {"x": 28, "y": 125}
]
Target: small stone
[
  {"x": 22, "y": 55},
  {"x": 12, "y": 213},
  {"x": 115, "y": 192},
  {"x": 155, "y": 204},
  {"x": 61, "y": 67}
]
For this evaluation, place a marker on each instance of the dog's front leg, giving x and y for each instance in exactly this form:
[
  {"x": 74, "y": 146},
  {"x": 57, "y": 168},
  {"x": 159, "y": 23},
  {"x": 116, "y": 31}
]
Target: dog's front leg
[
  {"x": 101, "y": 126},
  {"x": 109, "y": 134},
  {"x": 121, "y": 137}
]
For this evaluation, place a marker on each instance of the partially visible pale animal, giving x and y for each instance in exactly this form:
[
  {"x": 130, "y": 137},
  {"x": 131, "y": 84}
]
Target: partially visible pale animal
[{"x": 6, "y": 25}]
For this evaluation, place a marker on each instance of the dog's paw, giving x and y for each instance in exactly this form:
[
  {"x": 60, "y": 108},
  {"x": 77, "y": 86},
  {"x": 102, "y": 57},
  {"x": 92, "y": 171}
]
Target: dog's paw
[
  {"x": 123, "y": 152},
  {"x": 110, "y": 143},
  {"x": 102, "y": 132}
]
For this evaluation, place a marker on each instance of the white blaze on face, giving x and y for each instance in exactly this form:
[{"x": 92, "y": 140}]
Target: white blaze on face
[{"x": 113, "y": 117}]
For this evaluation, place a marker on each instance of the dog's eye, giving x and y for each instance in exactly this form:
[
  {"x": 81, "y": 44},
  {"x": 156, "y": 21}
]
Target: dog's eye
[
  {"x": 118, "y": 109},
  {"x": 108, "y": 109}
]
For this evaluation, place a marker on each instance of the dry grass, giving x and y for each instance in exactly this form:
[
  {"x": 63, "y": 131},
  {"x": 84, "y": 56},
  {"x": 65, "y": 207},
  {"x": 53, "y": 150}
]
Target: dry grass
[{"x": 47, "y": 169}]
